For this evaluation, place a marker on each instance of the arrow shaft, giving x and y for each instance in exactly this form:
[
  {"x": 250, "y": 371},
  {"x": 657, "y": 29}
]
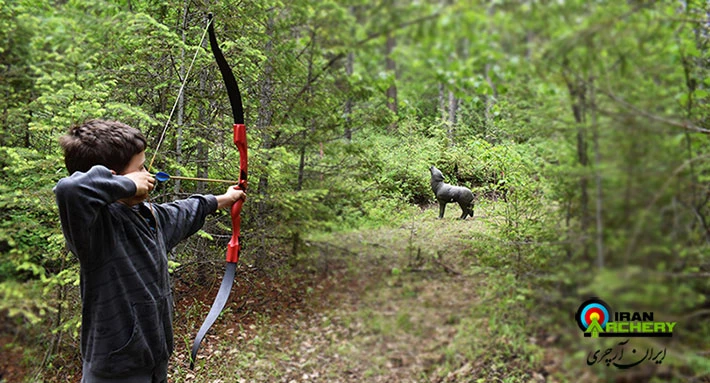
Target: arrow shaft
[{"x": 204, "y": 179}]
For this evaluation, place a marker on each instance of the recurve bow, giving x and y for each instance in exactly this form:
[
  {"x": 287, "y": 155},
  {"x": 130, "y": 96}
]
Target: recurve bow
[{"x": 240, "y": 140}]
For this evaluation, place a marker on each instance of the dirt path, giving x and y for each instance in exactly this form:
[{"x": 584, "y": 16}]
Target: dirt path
[
  {"x": 391, "y": 305},
  {"x": 409, "y": 291}
]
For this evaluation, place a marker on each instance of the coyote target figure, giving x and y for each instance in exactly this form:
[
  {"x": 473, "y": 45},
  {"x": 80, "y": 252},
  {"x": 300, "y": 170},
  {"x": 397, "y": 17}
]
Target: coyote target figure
[{"x": 446, "y": 193}]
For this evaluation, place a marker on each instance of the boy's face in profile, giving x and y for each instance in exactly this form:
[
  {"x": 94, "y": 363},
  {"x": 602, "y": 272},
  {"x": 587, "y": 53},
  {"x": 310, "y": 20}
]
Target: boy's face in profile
[{"x": 137, "y": 164}]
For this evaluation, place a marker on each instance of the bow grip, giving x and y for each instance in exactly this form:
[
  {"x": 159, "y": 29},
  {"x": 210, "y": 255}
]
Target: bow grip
[
  {"x": 233, "y": 245},
  {"x": 240, "y": 140}
]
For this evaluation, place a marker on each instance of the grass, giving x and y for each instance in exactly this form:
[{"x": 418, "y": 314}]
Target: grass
[
  {"x": 419, "y": 300},
  {"x": 415, "y": 312}
]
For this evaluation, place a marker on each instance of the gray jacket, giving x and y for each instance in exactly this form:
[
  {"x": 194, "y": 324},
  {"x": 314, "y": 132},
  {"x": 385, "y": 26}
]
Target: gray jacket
[{"x": 125, "y": 288}]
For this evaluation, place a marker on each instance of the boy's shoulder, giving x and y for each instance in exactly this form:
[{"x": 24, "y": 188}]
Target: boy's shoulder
[
  {"x": 92, "y": 177},
  {"x": 80, "y": 196}
]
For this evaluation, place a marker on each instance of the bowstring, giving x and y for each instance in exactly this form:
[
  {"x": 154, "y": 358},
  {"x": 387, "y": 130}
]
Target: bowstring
[
  {"x": 177, "y": 99},
  {"x": 172, "y": 111}
]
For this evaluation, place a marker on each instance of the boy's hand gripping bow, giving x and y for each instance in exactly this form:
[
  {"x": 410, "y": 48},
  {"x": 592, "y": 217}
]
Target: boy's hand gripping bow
[{"x": 240, "y": 139}]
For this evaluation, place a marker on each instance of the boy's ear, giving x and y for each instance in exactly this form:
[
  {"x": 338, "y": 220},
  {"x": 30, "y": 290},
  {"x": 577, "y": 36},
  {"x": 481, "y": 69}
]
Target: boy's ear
[{"x": 113, "y": 172}]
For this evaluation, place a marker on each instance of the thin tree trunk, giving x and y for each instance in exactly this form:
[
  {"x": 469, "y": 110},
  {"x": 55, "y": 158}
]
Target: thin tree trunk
[
  {"x": 490, "y": 99},
  {"x": 598, "y": 176},
  {"x": 391, "y": 66},
  {"x": 266, "y": 112},
  {"x": 451, "y": 120},
  {"x": 181, "y": 103},
  {"x": 443, "y": 95},
  {"x": 304, "y": 136},
  {"x": 202, "y": 149},
  {"x": 577, "y": 94},
  {"x": 349, "y": 69},
  {"x": 442, "y": 101},
  {"x": 263, "y": 125}
]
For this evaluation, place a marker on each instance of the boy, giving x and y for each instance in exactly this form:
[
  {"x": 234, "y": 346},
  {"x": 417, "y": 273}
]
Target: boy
[{"x": 122, "y": 246}]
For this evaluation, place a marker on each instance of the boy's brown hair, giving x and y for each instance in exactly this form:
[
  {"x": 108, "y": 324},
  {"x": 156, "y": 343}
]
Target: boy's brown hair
[{"x": 99, "y": 142}]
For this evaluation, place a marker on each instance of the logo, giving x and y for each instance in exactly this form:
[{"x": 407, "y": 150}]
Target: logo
[{"x": 594, "y": 318}]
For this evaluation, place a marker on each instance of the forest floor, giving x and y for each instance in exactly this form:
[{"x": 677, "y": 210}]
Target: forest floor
[{"x": 401, "y": 304}]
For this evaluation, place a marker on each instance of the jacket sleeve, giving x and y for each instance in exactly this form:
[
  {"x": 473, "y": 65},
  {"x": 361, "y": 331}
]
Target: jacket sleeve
[
  {"x": 81, "y": 196},
  {"x": 183, "y": 218}
]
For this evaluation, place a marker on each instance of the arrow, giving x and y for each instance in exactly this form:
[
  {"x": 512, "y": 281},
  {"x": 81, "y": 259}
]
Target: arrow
[{"x": 163, "y": 177}]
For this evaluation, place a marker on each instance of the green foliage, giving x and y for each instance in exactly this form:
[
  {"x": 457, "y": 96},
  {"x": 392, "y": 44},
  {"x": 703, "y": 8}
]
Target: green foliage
[
  {"x": 562, "y": 107},
  {"x": 498, "y": 332},
  {"x": 32, "y": 246},
  {"x": 29, "y": 238},
  {"x": 399, "y": 166}
]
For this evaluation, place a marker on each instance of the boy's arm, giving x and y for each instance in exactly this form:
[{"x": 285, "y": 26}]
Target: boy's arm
[
  {"x": 181, "y": 219},
  {"x": 81, "y": 196}
]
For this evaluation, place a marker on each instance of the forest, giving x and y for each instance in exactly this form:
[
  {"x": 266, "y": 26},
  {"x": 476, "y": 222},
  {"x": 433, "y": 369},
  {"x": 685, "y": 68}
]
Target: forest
[{"x": 580, "y": 126}]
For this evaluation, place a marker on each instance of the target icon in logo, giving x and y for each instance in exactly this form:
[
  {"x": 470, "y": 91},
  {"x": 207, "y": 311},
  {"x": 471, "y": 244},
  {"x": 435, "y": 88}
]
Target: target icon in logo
[{"x": 593, "y": 310}]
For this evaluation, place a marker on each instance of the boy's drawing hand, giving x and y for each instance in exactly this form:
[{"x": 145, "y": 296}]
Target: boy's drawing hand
[
  {"x": 143, "y": 180},
  {"x": 228, "y": 199}
]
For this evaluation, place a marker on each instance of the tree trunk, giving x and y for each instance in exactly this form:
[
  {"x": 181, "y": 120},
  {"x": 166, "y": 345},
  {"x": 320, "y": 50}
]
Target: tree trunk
[
  {"x": 490, "y": 99},
  {"x": 181, "y": 103},
  {"x": 577, "y": 92},
  {"x": 202, "y": 149},
  {"x": 697, "y": 202},
  {"x": 265, "y": 113},
  {"x": 391, "y": 66},
  {"x": 306, "y": 125},
  {"x": 597, "y": 176},
  {"x": 442, "y": 101},
  {"x": 263, "y": 126},
  {"x": 451, "y": 120},
  {"x": 349, "y": 69}
]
